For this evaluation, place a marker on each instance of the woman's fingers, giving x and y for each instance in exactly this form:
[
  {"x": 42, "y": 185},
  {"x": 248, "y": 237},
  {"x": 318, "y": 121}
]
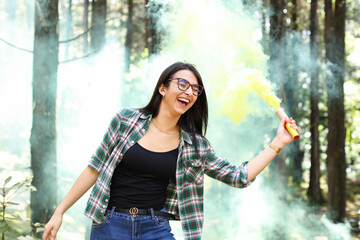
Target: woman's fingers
[
  {"x": 293, "y": 124},
  {"x": 53, "y": 234},
  {"x": 46, "y": 232},
  {"x": 49, "y": 233},
  {"x": 52, "y": 227}
]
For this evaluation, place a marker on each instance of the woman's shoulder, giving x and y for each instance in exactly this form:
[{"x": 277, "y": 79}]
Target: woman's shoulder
[
  {"x": 125, "y": 115},
  {"x": 128, "y": 113}
]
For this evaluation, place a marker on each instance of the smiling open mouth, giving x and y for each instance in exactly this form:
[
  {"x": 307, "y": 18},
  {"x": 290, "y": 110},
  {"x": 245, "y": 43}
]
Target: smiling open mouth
[{"x": 183, "y": 102}]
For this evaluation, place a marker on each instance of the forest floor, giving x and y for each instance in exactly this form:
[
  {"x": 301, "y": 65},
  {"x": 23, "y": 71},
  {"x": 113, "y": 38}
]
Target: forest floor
[{"x": 352, "y": 204}]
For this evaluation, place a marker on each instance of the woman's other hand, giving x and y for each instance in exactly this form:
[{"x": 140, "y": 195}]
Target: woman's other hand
[{"x": 52, "y": 227}]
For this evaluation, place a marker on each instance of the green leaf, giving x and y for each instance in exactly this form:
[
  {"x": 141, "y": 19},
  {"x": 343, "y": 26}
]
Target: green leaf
[
  {"x": 3, "y": 224},
  {"x": 4, "y": 227},
  {"x": 5, "y": 191},
  {"x": 13, "y": 217},
  {"x": 13, "y": 203},
  {"x": 15, "y": 185},
  {"x": 7, "y": 180}
]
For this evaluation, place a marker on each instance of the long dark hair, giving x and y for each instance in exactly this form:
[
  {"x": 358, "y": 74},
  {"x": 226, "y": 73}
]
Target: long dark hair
[{"x": 195, "y": 119}]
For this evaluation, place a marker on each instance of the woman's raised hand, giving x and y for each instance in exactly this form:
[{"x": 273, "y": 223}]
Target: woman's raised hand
[{"x": 283, "y": 137}]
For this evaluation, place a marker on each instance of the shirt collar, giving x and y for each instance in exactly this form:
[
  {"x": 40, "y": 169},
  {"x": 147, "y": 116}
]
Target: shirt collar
[
  {"x": 186, "y": 136},
  {"x": 145, "y": 116}
]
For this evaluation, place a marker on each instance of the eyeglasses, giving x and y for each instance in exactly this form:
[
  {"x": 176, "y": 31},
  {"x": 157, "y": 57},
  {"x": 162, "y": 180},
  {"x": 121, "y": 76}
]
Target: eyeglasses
[{"x": 184, "y": 84}]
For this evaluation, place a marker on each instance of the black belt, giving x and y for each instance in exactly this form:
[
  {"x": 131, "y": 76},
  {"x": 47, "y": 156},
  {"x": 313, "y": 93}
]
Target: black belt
[{"x": 136, "y": 212}]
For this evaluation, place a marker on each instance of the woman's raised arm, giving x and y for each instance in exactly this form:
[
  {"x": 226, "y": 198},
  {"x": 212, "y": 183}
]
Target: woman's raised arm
[{"x": 258, "y": 163}]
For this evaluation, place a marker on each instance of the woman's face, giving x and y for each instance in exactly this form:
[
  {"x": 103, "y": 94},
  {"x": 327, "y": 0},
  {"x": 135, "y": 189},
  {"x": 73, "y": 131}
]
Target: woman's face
[{"x": 177, "y": 101}]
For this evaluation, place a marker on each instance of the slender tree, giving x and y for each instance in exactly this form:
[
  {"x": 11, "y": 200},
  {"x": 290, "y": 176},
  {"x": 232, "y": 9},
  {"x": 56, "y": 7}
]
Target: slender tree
[
  {"x": 335, "y": 58},
  {"x": 264, "y": 16},
  {"x": 128, "y": 38},
  {"x": 43, "y": 132},
  {"x": 68, "y": 27},
  {"x": 152, "y": 32},
  {"x": 98, "y": 21},
  {"x": 86, "y": 26},
  {"x": 314, "y": 191},
  {"x": 276, "y": 70},
  {"x": 276, "y": 44},
  {"x": 298, "y": 154},
  {"x": 291, "y": 86}
]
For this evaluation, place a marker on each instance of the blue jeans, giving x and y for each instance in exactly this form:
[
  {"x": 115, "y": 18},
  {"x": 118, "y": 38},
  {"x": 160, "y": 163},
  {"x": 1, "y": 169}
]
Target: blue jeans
[{"x": 122, "y": 226}]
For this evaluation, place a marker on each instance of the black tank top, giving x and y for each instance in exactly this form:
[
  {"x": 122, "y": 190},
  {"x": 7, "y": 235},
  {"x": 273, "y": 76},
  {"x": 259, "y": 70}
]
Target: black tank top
[{"x": 141, "y": 178}]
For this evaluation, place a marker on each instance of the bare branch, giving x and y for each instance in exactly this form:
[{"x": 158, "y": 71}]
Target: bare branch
[
  {"x": 78, "y": 36},
  {"x": 12, "y": 45},
  {"x": 77, "y": 58},
  {"x": 85, "y": 32}
]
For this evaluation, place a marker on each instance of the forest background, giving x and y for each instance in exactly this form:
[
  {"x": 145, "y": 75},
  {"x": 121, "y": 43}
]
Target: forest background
[{"x": 67, "y": 66}]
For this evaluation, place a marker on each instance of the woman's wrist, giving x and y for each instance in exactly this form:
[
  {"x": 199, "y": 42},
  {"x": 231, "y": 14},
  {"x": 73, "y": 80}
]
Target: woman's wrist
[
  {"x": 278, "y": 143},
  {"x": 275, "y": 148},
  {"x": 59, "y": 210}
]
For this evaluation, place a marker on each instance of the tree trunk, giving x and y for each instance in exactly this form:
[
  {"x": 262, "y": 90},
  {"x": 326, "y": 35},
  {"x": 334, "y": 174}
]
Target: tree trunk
[
  {"x": 264, "y": 40},
  {"x": 278, "y": 171},
  {"x": 298, "y": 154},
  {"x": 276, "y": 44},
  {"x": 291, "y": 85},
  {"x": 68, "y": 28},
  {"x": 314, "y": 190},
  {"x": 98, "y": 21},
  {"x": 43, "y": 131},
  {"x": 335, "y": 56},
  {"x": 152, "y": 34},
  {"x": 86, "y": 27},
  {"x": 128, "y": 39},
  {"x": 276, "y": 68}
]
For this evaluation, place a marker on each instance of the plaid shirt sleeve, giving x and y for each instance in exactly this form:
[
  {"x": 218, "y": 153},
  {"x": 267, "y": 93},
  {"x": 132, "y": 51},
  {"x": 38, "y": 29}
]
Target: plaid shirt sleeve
[
  {"x": 224, "y": 171},
  {"x": 107, "y": 144}
]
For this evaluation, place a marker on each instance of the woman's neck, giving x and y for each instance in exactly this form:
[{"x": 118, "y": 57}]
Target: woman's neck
[{"x": 166, "y": 122}]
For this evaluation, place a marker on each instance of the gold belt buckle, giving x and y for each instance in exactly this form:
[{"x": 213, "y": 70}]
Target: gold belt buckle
[{"x": 133, "y": 211}]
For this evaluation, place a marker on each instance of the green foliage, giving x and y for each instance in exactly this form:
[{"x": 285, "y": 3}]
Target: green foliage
[{"x": 11, "y": 221}]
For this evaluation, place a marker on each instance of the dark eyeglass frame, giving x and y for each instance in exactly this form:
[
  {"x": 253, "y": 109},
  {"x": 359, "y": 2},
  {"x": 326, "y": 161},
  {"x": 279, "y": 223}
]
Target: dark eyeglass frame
[{"x": 201, "y": 88}]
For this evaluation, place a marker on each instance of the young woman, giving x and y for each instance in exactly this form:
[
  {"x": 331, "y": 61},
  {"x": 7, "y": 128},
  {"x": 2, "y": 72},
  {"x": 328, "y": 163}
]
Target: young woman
[{"x": 150, "y": 166}]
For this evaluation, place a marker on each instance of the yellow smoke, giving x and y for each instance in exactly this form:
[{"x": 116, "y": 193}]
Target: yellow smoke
[
  {"x": 263, "y": 88},
  {"x": 235, "y": 97}
]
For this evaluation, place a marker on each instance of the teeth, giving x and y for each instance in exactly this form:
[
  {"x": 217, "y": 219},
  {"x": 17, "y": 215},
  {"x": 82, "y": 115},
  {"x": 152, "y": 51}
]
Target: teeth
[{"x": 184, "y": 100}]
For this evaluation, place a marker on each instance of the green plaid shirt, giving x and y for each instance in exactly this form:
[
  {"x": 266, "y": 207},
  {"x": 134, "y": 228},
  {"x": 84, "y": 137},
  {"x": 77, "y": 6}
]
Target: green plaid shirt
[{"x": 185, "y": 195}]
